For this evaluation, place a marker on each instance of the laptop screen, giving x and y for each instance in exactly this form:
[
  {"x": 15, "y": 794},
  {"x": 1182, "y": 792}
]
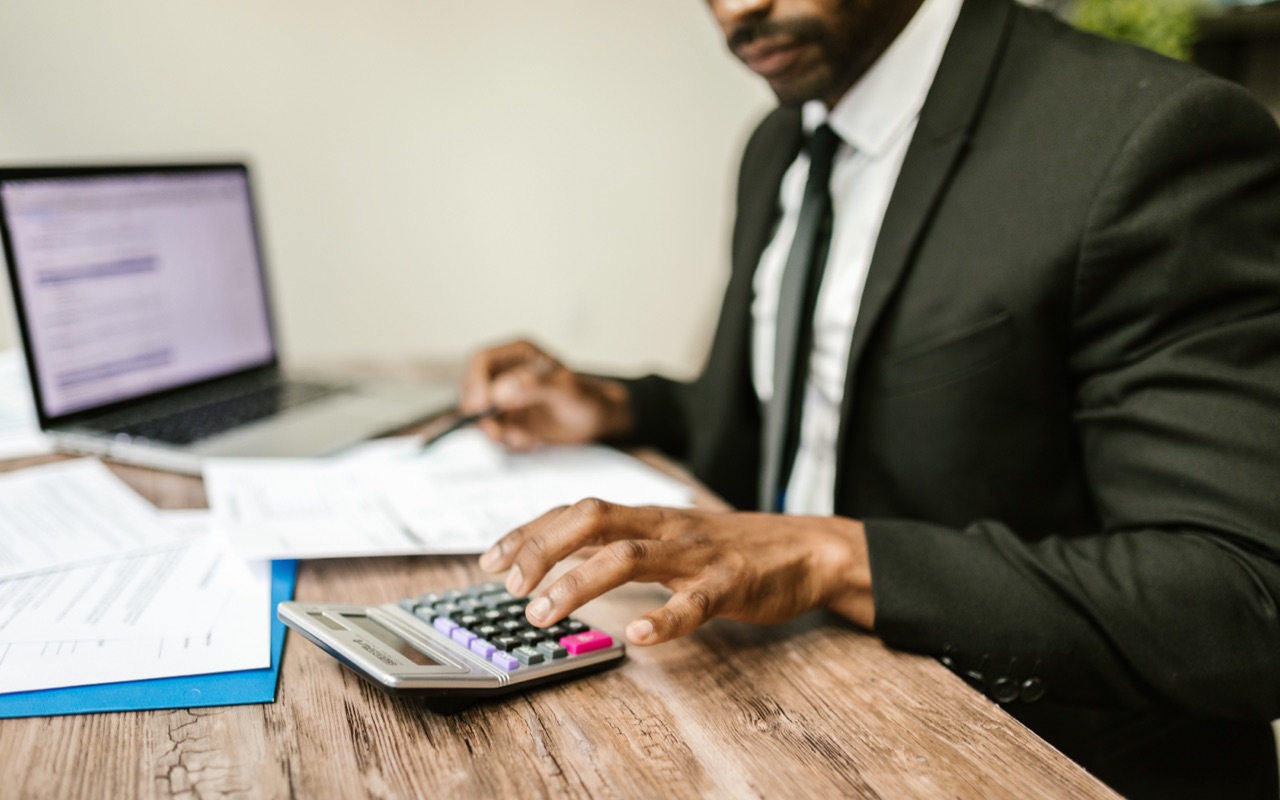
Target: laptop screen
[{"x": 135, "y": 282}]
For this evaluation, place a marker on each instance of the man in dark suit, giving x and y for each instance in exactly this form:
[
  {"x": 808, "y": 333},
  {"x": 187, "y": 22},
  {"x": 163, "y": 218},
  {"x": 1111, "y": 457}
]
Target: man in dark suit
[{"x": 1052, "y": 436}]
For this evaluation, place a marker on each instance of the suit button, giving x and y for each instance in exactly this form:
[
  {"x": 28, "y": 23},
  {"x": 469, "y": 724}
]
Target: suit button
[
  {"x": 973, "y": 678},
  {"x": 1032, "y": 690},
  {"x": 1004, "y": 690}
]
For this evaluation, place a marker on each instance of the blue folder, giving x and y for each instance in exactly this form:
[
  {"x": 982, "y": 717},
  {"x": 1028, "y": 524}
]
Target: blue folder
[{"x": 188, "y": 691}]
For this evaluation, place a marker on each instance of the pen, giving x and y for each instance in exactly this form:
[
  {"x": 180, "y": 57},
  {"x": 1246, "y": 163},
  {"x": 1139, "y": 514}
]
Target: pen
[{"x": 458, "y": 424}]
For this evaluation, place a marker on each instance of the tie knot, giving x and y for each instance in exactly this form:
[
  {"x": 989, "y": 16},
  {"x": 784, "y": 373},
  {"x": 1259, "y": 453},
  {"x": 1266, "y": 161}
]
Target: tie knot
[{"x": 822, "y": 146}]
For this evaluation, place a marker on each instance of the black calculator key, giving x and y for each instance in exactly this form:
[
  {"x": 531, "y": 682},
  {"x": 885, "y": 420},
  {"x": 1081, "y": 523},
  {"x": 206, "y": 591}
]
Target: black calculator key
[
  {"x": 507, "y": 643},
  {"x": 531, "y": 636},
  {"x": 514, "y": 609},
  {"x": 512, "y": 625},
  {"x": 489, "y": 631},
  {"x": 492, "y": 615},
  {"x": 555, "y": 632},
  {"x": 528, "y": 655},
  {"x": 467, "y": 620},
  {"x": 552, "y": 650},
  {"x": 574, "y": 626}
]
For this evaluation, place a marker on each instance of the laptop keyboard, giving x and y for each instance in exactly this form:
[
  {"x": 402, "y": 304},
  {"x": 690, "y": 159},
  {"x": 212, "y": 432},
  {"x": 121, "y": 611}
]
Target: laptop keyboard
[{"x": 186, "y": 424}]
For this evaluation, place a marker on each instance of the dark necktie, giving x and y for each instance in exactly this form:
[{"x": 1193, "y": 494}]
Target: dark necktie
[{"x": 794, "y": 336}]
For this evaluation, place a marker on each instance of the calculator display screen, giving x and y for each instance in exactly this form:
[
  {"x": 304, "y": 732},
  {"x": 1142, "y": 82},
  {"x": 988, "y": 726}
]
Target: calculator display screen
[{"x": 400, "y": 646}]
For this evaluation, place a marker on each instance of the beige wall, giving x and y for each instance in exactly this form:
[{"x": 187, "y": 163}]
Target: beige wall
[{"x": 434, "y": 174}]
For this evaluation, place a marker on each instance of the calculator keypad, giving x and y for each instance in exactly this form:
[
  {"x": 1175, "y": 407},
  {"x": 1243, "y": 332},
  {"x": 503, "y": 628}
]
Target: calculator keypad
[{"x": 489, "y": 622}]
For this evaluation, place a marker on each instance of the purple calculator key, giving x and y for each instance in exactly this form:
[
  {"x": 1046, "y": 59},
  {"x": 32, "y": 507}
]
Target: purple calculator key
[
  {"x": 462, "y": 636},
  {"x": 505, "y": 660},
  {"x": 445, "y": 625},
  {"x": 483, "y": 648}
]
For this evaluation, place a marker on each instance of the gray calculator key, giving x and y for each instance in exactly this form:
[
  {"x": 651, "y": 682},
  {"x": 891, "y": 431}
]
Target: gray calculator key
[
  {"x": 528, "y": 655},
  {"x": 483, "y": 588},
  {"x": 552, "y": 650},
  {"x": 470, "y": 604},
  {"x": 446, "y": 609},
  {"x": 429, "y": 599},
  {"x": 499, "y": 599},
  {"x": 408, "y": 604}
]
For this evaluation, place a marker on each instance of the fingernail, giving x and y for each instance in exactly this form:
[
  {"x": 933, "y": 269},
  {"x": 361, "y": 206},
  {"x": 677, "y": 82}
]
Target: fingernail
[
  {"x": 489, "y": 561},
  {"x": 539, "y": 609},
  {"x": 515, "y": 579},
  {"x": 640, "y": 631}
]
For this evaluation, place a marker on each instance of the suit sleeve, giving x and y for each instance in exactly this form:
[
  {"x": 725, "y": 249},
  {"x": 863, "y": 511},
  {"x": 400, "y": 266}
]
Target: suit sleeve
[{"x": 1175, "y": 359}]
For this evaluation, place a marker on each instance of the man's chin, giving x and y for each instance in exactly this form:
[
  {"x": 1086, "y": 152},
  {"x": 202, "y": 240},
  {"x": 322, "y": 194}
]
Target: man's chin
[{"x": 793, "y": 96}]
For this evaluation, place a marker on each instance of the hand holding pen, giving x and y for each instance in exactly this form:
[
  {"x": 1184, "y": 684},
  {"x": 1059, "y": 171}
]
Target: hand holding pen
[{"x": 522, "y": 397}]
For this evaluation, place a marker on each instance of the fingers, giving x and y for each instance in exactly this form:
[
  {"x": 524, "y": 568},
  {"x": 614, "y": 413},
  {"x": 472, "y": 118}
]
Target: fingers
[
  {"x": 487, "y": 365},
  {"x": 615, "y": 564},
  {"x": 681, "y": 615},
  {"x": 531, "y": 550}
]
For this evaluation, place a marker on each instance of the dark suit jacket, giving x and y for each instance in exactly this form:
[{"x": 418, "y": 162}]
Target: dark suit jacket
[{"x": 1062, "y": 418}]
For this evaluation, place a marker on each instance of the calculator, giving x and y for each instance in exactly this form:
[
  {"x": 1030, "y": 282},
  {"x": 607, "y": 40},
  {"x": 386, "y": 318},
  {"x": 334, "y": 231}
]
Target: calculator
[{"x": 451, "y": 649}]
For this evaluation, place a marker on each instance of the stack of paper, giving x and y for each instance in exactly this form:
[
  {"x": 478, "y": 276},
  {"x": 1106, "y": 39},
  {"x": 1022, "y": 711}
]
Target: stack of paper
[
  {"x": 97, "y": 587},
  {"x": 458, "y": 496}
]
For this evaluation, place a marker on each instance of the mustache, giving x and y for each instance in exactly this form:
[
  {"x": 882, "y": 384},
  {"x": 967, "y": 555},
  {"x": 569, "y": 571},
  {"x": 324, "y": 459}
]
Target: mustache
[{"x": 801, "y": 29}]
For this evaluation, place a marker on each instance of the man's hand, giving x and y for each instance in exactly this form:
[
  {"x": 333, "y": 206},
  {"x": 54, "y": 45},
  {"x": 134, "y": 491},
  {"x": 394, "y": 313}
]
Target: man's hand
[
  {"x": 761, "y": 568},
  {"x": 539, "y": 400}
]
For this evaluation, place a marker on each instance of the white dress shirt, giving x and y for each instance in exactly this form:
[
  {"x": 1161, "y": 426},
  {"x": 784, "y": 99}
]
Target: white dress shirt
[{"x": 875, "y": 121}]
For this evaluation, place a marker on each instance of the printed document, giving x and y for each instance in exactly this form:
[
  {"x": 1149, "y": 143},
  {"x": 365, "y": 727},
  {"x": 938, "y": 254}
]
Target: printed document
[
  {"x": 156, "y": 628},
  {"x": 459, "y": 496},
  {"x": 179, "y": 590},
  {"x": 72, "y": 512}
]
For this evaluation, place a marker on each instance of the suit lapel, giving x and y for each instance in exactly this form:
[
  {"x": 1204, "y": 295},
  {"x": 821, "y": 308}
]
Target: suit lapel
[
  {"x": 766, "y": 161},
  {"x": 942, "y": 135}
]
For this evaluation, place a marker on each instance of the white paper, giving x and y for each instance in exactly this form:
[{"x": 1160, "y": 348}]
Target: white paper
[
  {"x": 20, "y": 434},
  {"x": 311, "y": 508},
  {"x": 236, "y": 635},
  {"x": 180, "y": 590},
  {"x": 459, "y": 496},
  {"x": 72, "y": 512},
  {"x": 465, "y": 491}
]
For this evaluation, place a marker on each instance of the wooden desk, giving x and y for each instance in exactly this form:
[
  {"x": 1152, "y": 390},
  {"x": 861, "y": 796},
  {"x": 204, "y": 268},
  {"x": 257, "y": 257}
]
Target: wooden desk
[{"x": 812, "y": 708}]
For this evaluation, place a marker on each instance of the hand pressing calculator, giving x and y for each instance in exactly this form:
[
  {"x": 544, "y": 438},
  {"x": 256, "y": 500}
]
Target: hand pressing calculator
[{"x": 452, "y": 648}]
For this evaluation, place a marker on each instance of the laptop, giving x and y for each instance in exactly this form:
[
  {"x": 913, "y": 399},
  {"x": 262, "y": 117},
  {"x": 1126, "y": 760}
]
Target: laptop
[{"x": 141, "y": 299}]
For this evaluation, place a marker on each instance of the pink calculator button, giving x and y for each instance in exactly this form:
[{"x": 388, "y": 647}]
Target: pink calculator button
[{"x": 585, "y": 642}]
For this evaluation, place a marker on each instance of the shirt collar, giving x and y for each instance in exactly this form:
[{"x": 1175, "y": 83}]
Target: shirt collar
[{"x": 890, "y": 95}]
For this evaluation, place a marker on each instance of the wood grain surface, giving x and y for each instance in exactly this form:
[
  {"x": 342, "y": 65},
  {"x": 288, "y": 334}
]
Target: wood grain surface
[{"x": 813, "y": 708}]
